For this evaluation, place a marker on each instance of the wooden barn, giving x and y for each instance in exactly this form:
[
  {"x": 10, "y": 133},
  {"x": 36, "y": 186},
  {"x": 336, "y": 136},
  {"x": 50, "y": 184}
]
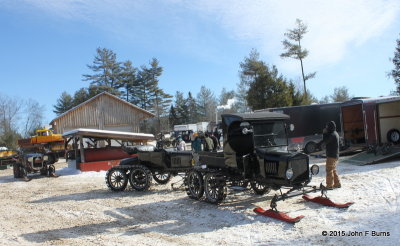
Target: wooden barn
[{"x": 104, "y": 112}]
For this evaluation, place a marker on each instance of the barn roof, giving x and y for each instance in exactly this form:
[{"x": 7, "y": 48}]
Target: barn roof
[
  {"x": 97, "y": 96},
  {"x": 108, "y": 134}
]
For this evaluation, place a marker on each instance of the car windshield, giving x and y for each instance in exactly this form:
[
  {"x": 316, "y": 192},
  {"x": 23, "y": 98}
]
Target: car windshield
[{"x": 269, "y": 134}]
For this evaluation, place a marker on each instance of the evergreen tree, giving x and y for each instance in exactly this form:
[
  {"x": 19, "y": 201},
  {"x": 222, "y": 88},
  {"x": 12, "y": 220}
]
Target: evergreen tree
[
  {"x": 269, "y": 90},
  {"x": 106, "y": 70},
  {"x": 395, "y": 73},
  {"x": 251, "y": 68},
  {"x": 207, "y": 104},
  {"x": 294, "y": 49},
  {"x": 148, "y": 84},
  {"x": 296, "y": 95},
  {"x": 192, "y": 109},
  {"x": 80, "y": 96},
  {"x": 64, "y": 103},
  {"x": 94, "y": 90},
  {"x": 173, "y": 117},
  {"x": 162, "y": 101},
  {"x": 129, "y": 82},
  {"x": 181, "y": 109}
]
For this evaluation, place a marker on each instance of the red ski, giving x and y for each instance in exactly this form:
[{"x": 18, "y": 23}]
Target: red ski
[
  {"x": 278, "y": 215},
  {"x": 327, "y": 202}
]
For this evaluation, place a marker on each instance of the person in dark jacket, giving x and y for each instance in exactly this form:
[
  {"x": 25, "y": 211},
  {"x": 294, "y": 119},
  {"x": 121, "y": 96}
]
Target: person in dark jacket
[
  {"x": 331, "y": 141},
  {"x": 215, "y": 142}
]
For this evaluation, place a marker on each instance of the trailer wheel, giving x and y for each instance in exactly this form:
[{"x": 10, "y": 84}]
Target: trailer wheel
[
  {"x": 194, "y": 185},
  {"x": 161, "y": 177},
  {"x": 116, "y": 179},
  {"x": 260, "y": 189},
  {"x": 140, "y": 178},
  {"x": 310, "y": 147},
  {"x": 214, "y": 187},
  {"x": 393, "y": 136}
]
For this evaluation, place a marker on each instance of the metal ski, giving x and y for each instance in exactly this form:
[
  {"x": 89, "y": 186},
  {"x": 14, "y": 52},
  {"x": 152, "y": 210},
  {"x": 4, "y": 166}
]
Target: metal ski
[
  {"x": 275, "y": 214},
  {"x": 327, "y": 202},
  {"x": 324, "y": 200},
  {"x": 278, "y": 215}
]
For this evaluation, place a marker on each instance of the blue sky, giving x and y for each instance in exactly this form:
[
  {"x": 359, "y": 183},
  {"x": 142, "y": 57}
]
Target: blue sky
[{"x": 46, "y": 44}]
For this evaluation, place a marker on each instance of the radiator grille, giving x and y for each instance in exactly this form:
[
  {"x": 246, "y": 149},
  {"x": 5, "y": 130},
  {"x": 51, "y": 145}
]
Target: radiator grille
[
  {"x": 299, "y": 166},
  {"x": 271, "y": 167}
]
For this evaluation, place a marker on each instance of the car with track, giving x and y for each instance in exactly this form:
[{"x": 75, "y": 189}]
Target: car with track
[
  {"x": 255, "y": 151},
  {"x": 148, "y": 163}
]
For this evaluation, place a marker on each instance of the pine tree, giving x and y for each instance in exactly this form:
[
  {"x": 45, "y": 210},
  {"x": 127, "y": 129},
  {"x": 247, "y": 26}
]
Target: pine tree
[
  {"x": 129, "y": 82},
  {"x": 173, "y": 117},
  {"x": 80, "y": 96},
  {"x": 64, "y": 103},
  {"x": 395, "y": 73},
  {"x": 251, "y": 68},
  {"x": 106, "y": 70},
  {"x": 269, "y": 90},
  {"x": 181, "y": 109},
  {"x": 207, "y": 104},
  {"x": 294, "y": 49},
  {"x": 192, "y": 109}
]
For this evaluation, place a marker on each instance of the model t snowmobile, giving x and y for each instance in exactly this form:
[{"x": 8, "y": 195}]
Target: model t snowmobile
[
  {"x": 255, "y": 151},
  {"x": 148, "y": 164}
]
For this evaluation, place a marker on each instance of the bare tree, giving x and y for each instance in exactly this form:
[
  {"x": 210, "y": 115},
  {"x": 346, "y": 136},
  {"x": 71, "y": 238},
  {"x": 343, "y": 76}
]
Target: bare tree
[
  {"x": 33, "y": 117},
  {"x": 10, "y": 109}
]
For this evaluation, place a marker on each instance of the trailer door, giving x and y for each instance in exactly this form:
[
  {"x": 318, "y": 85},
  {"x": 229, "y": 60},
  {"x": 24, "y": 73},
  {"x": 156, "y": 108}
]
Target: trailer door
[
  {"x": 370, "y": 123},
  {"x": 389, "y": 119},
  {"x": 353, "y": 124}
]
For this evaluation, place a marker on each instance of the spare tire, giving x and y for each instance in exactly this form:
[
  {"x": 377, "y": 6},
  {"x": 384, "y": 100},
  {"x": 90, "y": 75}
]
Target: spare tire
[{"x": 393, "y": 136}]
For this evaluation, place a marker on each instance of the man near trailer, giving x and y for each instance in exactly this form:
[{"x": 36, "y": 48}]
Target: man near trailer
[{"x": 331, "y": 141}]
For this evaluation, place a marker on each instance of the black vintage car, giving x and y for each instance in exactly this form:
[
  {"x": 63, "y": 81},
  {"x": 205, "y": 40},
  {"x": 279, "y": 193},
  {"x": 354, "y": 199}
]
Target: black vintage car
[
  {"x": 26, "y": 163},
  {"x": 149, "y": 163},
  {"x": 254, "y": 151}
]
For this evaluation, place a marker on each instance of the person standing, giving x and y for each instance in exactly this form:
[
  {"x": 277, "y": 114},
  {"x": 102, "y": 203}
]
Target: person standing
[
  {"x": 209, "y": 145},
  {"x": 181, "y": 144},
  {"x": 196, "y": 146},
  {"x": 331, "y": 140},
  {"x": 215, "y": 142}
]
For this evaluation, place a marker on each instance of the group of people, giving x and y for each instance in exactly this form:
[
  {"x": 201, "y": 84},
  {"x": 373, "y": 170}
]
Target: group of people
[{"x": 201, "y": 142}]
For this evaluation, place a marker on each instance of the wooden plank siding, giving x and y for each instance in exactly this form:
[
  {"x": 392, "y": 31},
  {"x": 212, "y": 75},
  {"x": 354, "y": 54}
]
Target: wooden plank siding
[{"x": 103, "y": 111}]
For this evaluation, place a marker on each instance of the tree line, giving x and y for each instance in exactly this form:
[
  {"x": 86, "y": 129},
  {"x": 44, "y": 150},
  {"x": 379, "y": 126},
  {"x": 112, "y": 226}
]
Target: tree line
[
  {"x": 18, "y": 119},
  {"x": 260, "y": 86}
]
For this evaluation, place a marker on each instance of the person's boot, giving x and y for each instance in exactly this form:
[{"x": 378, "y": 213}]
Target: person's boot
[
  {"x": 26, "y": 179},
  {"x": 337, "y": 186},
  {"x": 54, "y": 175}
]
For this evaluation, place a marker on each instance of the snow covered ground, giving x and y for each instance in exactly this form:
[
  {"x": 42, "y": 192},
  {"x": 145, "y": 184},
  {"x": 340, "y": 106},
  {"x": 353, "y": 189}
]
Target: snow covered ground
[{"x": 78, "y": 209}]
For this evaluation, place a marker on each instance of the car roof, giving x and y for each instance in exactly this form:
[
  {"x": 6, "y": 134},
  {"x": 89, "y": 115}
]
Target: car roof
[{"x": 258, "y": 116}]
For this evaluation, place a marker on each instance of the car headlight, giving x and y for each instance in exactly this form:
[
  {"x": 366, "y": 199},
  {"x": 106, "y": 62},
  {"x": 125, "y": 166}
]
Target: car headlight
[
  {"x": 289, "y": 173},
  {"x": 315, "y": 169}
]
